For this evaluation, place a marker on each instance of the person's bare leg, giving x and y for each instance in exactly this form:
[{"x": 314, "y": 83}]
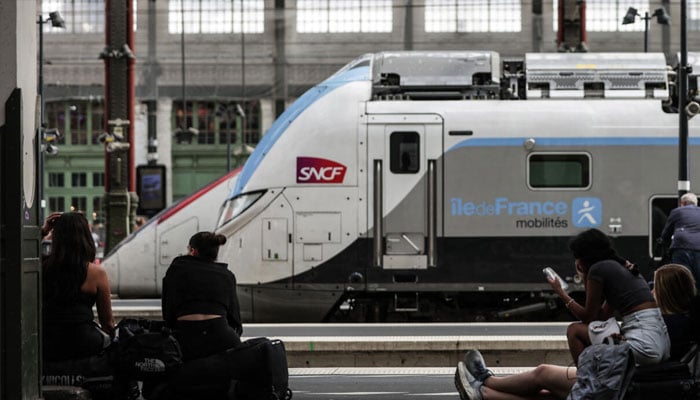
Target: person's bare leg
[
  {"x": 577, "y": 336},
  {"x": 553, "y": 378},
  {"x": 492, "y": 394}
]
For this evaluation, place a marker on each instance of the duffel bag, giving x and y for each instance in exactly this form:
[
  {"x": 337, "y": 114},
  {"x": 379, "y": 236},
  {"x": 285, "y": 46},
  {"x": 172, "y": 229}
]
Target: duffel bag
[{"x": 145, "y": 352}]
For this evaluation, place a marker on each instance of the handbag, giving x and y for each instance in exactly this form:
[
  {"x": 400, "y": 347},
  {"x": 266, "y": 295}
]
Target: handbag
[
  {"x": 147, "y": 350},
  {"x": 600, "y": 332}
]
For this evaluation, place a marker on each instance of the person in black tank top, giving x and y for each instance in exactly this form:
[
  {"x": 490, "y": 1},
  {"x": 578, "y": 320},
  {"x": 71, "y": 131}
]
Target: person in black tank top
[{"x": 72, "y": 285}]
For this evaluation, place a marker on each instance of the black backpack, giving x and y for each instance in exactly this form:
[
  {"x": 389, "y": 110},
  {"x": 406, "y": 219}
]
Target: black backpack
[{"x": 147, "y": 350}]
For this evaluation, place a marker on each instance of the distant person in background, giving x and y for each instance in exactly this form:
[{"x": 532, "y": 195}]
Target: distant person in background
[
  {"x": 199, "y": 299},
  {"x": 72, "y": 285},
  {"x": 139, "y": 222},
  {"x": 682, "y": 230}
]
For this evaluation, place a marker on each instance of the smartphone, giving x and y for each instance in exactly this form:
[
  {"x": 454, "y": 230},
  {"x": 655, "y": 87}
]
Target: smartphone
[{"x": 551, "y": 274}]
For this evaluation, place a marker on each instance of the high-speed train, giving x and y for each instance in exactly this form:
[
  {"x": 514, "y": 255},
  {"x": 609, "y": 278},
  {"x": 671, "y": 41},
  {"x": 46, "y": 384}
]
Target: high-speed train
[
  {"x": 137, "y": 265},
  {"x": 438, "y": 185}
]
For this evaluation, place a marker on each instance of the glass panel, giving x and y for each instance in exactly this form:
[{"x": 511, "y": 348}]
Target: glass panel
[
  {"x": 98, "y": 179},
  {"x": 473, "y": 16},
  {"x": 205, "y": 123},
  {"x": 56, "y": 179},
  {"x": 337, "y": 16},
  {"x": 55, "y": 117},
  {"x": 78, "y": 203},
  {"x": 405, "y": 152},
  {"x": 216, "y": 16},
  {"x": 693, "y": 12},
  {"x": 559, "y": 171},
  {"x": 78, "y": 122},
  {"x": 57, "y": 204},
  {"x": 98, "y": 122},
  {"x": 78, "y": 179}
]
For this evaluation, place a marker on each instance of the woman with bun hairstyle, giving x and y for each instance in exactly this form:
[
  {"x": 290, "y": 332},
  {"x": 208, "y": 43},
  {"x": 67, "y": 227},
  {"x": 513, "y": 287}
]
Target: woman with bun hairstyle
[
  {"x": 72, "y": 285},
  {"x": 199, "y": 299}
]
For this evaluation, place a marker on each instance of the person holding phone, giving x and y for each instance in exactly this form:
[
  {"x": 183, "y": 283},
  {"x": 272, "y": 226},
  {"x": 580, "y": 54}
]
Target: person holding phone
[{"x": 613, "y": 286}]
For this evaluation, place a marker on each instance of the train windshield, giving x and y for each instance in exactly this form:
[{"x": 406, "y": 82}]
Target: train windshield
[{"x": 235, "y": 206}]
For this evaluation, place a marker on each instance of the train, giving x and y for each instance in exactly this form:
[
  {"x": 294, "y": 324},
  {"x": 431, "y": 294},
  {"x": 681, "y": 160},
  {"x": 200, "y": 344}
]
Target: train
[
  {"x": 136, "y": 265},
  {"x": 437, "y": 185}
]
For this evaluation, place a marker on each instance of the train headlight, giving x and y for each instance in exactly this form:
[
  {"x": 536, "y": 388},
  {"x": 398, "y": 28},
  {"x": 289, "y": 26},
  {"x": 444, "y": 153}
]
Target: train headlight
[{"x": 234, "y": 207}]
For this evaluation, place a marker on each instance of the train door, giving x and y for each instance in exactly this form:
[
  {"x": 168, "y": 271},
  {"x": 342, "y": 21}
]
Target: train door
[
  {"x": 660, "y": 208},
  {"x": 402, "y": 160}
]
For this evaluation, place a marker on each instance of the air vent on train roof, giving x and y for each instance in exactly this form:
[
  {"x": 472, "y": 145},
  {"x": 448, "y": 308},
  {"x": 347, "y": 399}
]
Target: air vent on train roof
[
  {"x": 425, "y": 75},
  {"x": 596, "y": 75}
]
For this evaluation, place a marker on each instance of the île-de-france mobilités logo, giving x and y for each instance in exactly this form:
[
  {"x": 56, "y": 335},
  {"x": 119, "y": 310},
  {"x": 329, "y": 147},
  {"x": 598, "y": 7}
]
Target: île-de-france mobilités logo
[{"x": 586, "y": 212}]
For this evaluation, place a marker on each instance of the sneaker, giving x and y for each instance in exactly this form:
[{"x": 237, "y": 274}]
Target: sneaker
[
  {"x": 468, "y": 387},
  {"x": 476, "y": 365}
]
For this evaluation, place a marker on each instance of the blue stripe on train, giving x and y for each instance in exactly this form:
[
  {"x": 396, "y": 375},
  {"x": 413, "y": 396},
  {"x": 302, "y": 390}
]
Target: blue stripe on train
[
  {"x": 577, "y": 141},
  {"x": 289, "y": 115}
]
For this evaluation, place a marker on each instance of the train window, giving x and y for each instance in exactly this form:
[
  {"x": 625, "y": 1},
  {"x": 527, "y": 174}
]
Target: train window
[
  {"x": 405, "y": 152},
  {"x": 559, "y": 171},
  {"x": 661, "y": 207}
]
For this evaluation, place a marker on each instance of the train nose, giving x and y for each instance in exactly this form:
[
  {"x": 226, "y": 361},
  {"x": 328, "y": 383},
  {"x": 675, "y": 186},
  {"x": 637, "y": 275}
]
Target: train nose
[{"x": 111, "y": 265}]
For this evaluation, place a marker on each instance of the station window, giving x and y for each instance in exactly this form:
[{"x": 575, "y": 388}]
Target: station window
[
  {"x": 606, "y": 15},
  {"x": 97, "y": 213},
  {"x": 78, "y": 123},
  {"x": 57, "y": 204},
  {"x": 694, "y": 15},
  {"x": 98, "y": 179},
  {"x": 338, "y": 16},
  {"x": 212, "y": 126},
  {"x": 80, "y": 16},
  {"x": 473, "y": 16},
  {"x": 216, "y": 16},
  {"x": 78, "y": 203},
  {"x": 78, "y": 179},
  {"x": 56, "y": 179},
  {"x": 405, "y": 152},
  {"x": 559, "y": 171},
  {"x": 55, "y": 114}
]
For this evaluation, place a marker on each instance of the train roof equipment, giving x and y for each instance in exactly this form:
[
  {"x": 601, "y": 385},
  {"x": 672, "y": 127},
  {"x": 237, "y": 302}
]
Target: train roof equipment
[
  {"x": 427, "y": 75},
  {"x": 596, "y": 75}
]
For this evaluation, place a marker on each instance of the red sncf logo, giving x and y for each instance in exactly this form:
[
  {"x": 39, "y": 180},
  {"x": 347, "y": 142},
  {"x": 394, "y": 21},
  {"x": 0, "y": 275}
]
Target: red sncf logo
[{"x": 319, "y": 170}]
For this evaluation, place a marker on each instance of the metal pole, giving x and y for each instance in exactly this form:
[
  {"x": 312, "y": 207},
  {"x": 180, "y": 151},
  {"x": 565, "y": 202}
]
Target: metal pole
[
  {"x": 243, "y": 67},
  {"x": 228, "y": 139},
  {"x": 40, "y": 131},
  {"x": 683, "y": 182},
  {"x": 646, "y": 31},
  {"x": 182, "y": 66}
]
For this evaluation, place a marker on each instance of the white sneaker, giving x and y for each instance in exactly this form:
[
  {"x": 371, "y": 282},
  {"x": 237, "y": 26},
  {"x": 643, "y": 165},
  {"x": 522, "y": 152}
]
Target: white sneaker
[{"x": 467, "y": 386}]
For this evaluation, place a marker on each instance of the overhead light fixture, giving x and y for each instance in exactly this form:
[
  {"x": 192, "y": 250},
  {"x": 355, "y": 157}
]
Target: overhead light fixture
[
  {"x": 56, "y": 20},
  {"x": 662, "y": 16},
  {"x": 630, "y": 16}
]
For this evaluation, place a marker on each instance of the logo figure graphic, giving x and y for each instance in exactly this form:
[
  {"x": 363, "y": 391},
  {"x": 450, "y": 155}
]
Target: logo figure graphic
[{"x": 586, "y": 212}]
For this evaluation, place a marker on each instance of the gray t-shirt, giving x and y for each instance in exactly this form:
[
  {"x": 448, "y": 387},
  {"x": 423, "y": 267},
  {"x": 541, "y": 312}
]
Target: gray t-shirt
[{"x": 622, "y": 290}]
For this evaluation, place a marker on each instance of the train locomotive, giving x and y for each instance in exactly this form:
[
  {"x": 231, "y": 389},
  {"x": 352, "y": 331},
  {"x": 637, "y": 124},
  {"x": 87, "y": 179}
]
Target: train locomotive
[
  {"x": 136, "y": 266},
  {"x": 414, "y": 186}
]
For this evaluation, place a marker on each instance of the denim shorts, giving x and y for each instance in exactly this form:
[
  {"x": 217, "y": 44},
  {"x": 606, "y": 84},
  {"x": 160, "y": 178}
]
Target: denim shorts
[{"x": 647, "y": 335}]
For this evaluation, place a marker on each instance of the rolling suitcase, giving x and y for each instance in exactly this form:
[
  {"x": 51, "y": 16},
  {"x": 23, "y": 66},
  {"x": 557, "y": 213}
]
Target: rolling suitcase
[{"x": 261, "y": 370}]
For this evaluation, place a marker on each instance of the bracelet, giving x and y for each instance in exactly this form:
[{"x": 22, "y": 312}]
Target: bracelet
[{"x": 568, "y": 303}]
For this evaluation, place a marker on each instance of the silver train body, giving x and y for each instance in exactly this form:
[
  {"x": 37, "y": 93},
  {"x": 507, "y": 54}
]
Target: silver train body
[
  {"x": 137, "y": 265},
  {"x": 438, "y": 185}
]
